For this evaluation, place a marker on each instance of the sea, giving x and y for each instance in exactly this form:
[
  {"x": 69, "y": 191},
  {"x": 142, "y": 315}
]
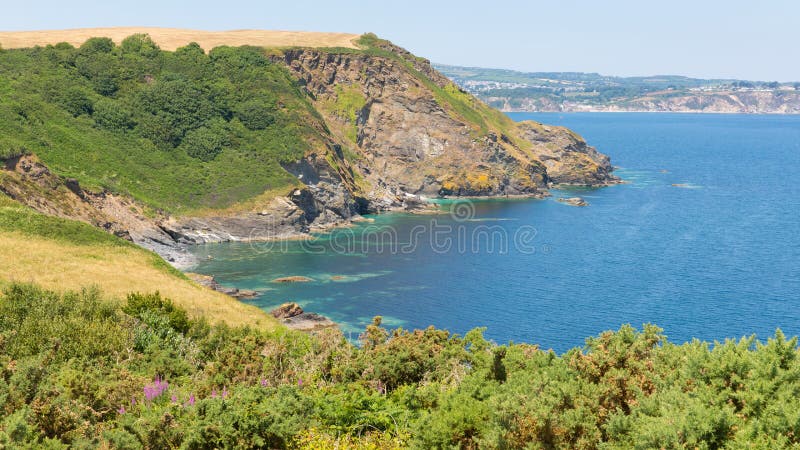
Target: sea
[{"x": 702, "y": 239}]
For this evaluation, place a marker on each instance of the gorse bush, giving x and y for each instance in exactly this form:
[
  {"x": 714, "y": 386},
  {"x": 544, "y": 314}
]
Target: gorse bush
[
  {"x": 79, "y": 371},
  {"x": 140, "y": 304}
]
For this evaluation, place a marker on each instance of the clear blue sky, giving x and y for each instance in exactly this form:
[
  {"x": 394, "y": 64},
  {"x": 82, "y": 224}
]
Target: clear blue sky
[{"x": 704, "y": 38}]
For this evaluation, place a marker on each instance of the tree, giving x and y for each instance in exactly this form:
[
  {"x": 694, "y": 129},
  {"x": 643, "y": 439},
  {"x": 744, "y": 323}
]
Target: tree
[
  {"x": 64, "y": 46},
  {"x": 140, "y": 44},
  {"x": 192, "y": 49},
  {"x": 97, "y": 45},
  {"x": 172, "y": 107}
]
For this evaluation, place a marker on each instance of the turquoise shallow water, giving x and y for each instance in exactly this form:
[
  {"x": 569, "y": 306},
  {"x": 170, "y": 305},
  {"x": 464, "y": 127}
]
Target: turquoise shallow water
[{"x": 718, "y": 257}]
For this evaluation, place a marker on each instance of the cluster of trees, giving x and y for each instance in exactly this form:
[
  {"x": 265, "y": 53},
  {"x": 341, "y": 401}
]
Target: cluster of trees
[
  {"x": 165, "y": 127},
  {"x": 184, "y": 99},
  {"x": 78, "y": 371}
]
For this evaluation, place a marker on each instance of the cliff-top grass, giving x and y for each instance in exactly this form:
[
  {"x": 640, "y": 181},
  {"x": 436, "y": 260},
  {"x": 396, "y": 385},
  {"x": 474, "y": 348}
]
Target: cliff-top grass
[
  {"x": 65, "y": 255},
  {"x": 174, "y": 38}
]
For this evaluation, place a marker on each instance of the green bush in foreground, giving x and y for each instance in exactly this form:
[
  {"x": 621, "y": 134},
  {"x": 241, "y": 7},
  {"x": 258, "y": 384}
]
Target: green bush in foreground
[{"x": 78, "y": 371}]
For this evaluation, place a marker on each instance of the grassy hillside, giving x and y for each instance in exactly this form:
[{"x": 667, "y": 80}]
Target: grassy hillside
[
  {"x": 186, "y": 131},
  {"x": 179, "y": 130},
  {"x": 66, "y": 255},
  {"x": 78, "y": 371}
]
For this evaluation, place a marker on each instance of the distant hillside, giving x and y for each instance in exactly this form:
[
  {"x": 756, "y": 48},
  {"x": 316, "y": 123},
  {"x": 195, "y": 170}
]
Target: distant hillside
[
  {"x": 173, "y": 38},
  {"x": 510, "y": 90}
]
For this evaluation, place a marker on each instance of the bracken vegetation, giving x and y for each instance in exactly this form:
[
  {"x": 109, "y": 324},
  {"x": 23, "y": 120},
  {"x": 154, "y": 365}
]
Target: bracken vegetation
[{"x": 77, "y": 371}]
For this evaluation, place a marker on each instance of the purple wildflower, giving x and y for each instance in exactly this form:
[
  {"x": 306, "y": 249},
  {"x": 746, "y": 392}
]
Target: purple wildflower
[
  {"x": 263, "y": 382},
  {"x": 174, "y": 398},
  {"x": 191, "y": 400},
  {"x": 158, "y": 387},
  {"x": 133, "y": 401},
  {"x": 121, "y": 410},
  {"x": 224, "y": 392},
  {"x": 214, "y": 393},
  {"x": 300, "y": 382}
]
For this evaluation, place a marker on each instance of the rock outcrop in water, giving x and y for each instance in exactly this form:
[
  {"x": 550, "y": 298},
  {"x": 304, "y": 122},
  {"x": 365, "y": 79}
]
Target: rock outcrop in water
[{"x": 293, "y": 316}]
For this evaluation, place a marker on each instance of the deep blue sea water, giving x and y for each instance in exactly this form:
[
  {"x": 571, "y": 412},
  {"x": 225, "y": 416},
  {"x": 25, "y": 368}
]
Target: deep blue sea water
[{"x": 714, "y": 258}]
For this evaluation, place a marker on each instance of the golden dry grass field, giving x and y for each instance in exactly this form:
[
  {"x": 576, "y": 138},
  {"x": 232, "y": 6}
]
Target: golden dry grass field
[
  {"x": 172, "y": 38},
  {"x": 117, "y": 271}
]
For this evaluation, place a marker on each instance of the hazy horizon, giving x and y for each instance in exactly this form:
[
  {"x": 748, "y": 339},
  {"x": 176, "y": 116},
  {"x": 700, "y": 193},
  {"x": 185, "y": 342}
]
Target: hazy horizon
[{"x": 715, "y": 39}]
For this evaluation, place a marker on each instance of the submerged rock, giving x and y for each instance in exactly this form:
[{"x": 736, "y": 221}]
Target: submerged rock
[
  {"x": 573, "y": 201},
  {"x": 308, "y": 322},
  {"x": 209, "y": 282},
  {"x": 293, "y": 279},
  {"x": 247, "y": 294}
]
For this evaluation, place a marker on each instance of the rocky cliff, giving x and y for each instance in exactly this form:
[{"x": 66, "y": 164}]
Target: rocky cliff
[
  {"x": 409, "y": 131},
  {"x": 391, "y": 130}
]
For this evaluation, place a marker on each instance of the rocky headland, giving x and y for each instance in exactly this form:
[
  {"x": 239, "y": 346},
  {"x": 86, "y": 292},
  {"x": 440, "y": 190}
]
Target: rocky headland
[{"x": 392, "y": 132}]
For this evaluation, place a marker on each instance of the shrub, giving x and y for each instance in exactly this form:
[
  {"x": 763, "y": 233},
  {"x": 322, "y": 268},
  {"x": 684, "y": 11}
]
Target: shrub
[
  {"x": 138, "y": 305},
  {"x": 203, "y": 143},
  {"x": 112, "y": 116},
  {"x": 256, "y": 114},
  {"x": 76, "y": 101},
  {"x": 70, "y": 325}
]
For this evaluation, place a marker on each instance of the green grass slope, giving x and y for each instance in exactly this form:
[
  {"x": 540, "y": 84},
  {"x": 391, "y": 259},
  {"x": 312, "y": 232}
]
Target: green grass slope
[
  {"x": 62, "y": 255},
  {"x": 179, "y": 130}
]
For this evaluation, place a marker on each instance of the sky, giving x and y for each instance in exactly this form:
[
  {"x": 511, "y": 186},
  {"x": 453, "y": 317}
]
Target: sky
[{"x": 699, "y": 38}]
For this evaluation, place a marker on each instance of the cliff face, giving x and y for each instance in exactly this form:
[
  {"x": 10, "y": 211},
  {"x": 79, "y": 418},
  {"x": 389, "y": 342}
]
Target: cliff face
[
  {"x": 748, "y": 102},
  {"x": 722, "y": 102},
  {"x": 408, "y": 130},
  {"x": 382, "y": 129}
]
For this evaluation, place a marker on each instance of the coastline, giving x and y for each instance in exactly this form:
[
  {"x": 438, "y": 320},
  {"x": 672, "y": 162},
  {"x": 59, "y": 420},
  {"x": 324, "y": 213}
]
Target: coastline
[{"x": 650, "y": 111}]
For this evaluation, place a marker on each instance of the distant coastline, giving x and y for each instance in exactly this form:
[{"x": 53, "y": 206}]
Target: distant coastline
[
  {"x": 511, "y": 91},
  {"x": 644, "y": 111}
]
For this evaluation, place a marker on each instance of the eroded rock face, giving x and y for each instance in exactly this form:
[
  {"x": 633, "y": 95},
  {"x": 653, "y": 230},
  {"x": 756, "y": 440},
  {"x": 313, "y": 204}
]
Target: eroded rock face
[
  {"x": 31, "y": 183},
  {"x": 325, "y": 200},
  {"x": 409, "y": 140},
  {"x": 567, "y": 157}
]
